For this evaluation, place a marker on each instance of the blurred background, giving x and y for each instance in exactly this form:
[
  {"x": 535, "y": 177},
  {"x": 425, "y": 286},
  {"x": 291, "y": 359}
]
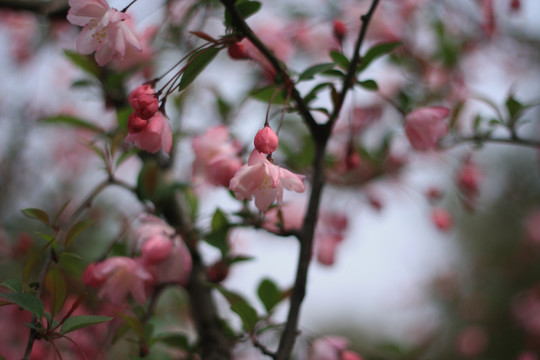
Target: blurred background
[{"x": 440, "y": 257}]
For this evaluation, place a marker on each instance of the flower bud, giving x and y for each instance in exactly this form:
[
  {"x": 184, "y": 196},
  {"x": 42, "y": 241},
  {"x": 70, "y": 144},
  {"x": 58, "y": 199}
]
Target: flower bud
[
  {"x": 442, "y": 219},
  {"x": 218, "y": 271},
  {"x": 136, "y": 124},
  {"x": 340, "y": 30},
  {"x": 266, "y": 140},
  {"x": 237, "y": 51}
]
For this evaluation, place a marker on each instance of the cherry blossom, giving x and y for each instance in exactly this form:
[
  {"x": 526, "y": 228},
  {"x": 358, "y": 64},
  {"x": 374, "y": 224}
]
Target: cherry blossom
[
  {"x": 104, "y": 30},
  {"x": 150, "y": 135},
  {"x": 264, "y": 180},
  {"x": 425, "y": 126},
  {"x": 118, "y": 277},
  {"x": 442, "y": 219},
  {"x": 144, "y": 101},
  {"x": 216, "y": 156}
]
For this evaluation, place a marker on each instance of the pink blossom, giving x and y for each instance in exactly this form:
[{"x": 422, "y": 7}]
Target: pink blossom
[
  {"x": 425, "y": 126},
  {"x": 153, "y": 136},
  {"x": 332, "y": 348},
  {"x": 329, "y": 234},
  {"x": 216, "y": 156},
  {"x": 469, "y": 177},
  {"x": 144, "y": 101},
  {"x": 264, "y": 180},
  {"x": 472, "y": 341},
  {"x": 442, "y": 219},
  {"x": 120, "y": 276},
  {"x": 164, "y": 253},
  {"x": 527, "y": 355},
  {"x": 104, "y": 30},
  {"x": 266, "y": 141}
]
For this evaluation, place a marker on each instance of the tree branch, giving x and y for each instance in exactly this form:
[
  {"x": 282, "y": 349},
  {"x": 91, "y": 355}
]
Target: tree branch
[{"x": 50, "y": 8}]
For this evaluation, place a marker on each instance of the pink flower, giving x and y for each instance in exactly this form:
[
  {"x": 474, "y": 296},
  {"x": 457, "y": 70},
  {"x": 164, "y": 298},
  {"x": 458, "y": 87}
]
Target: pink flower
[
  {"x": 264, "y": 180},
  {"x": 469, "y": 177},
  {"x": 329, "y": 234},
  {"x": 164, "y": 254},
  {"x": 104, "y": 30},
  {"x": 442, "y": 219},
  {"x": 472, "y": 341},
  {"x": 532, "y": 226},
  {"x": 425, "y": 126},
  {"x": 216, "y": 156},
  {"x": 120, "y": 276},
  {"x": 266, "y": 141},
  {"x": 144, "y": 101},
  {"x": 155, "y": 135},
  {"x": 332, "y": 348}
]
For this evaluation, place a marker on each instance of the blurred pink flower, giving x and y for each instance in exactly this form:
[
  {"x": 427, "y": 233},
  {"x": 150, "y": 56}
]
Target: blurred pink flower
[
  {"x": 264, "y": 180},
  {"x": 532, "y": 227},
  {"x": 216, "y": 156},
  {"x": 120, "y": 276},
  {"x": 153, "y": 136},
  {"x": 442, "y": 219},
  {"x": 468, "y": 179},
  {"x": 163, "y": 252},
  {"x": 331, "y": 348},
  {"x": 425, "y": 126},
  {"x": 104, "y": 30},
  {"x": 472, "y": 341}
]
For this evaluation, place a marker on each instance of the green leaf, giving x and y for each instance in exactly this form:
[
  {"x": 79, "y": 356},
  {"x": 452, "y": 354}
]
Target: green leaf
[
  {"x": 78, "y": 322},
  {"x": 245, "y": 9},
  {"x": 76, "y": 229},
  {"x": 196, "y": 63},
  {"x": 239, "y": 258},
  {"x": 370, "y": 85},
  {"x": 219, "y": 241},
  {"x": 376, "y": 52},
  {"x": 312, "y": 95},
  {"x": 247, "y": 314},
  {"x": 340, "y": 59},
  {"x": 310, "y": 72},
  {"x": 175, "y": 340},
  {"x": 334, "y": 73},
  {"x": 13, "y": 284},
  {"x": 28, "y": 302},
  {"x": 269, "y": 294},
  {"x": 34, "y": 258},
  {"x": 55, "y": 283},
  {"x": 134, "y": 323},
  {"x": 85, "y": 63},
  {"x": 73, "y": 121},
  {"x": 514, "y": 107},
  {"x": 37, "y": 214},
  {"x": 269, "y": 94},
  {"x": 219, "y": 221}
]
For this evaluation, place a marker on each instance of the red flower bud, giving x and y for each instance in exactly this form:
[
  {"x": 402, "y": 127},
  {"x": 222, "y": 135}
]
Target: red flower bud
[
  {"x": 266, "y": 140},
  {"x": 237, "y": 51},
  {"x": 136, "y": 124},
  {"x": 340, "y": 30},
  {"x": 218, "y": 271}
]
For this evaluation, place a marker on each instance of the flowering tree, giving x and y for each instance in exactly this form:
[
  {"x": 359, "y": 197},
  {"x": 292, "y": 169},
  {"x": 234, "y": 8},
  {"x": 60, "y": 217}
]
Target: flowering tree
[{"x": 262, "y": 107}]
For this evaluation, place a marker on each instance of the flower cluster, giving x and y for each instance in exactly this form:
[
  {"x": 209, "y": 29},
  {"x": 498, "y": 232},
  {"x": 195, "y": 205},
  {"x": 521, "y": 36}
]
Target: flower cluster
[
  {"x": 148, "y": 127},
  {"x": 164, "y": 258},
  {"x": 104, "y": 32}
]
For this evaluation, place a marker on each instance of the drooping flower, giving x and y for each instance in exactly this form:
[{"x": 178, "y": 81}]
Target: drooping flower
[
  {"x": 264, "y": 180},
  {"x": 104, "y": 32},
  {"x": 425, "y": 126},
  {"x": 150, "y": 135},
  {"x": 144, "y": 101},
  {"x": 118, "y": 277},
  {"x": 216, "y": 156}
]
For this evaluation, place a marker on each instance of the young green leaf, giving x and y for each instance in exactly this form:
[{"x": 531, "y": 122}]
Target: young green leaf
[
  {"x": 247, "y": 314},
  {"x": 269, "y": 294},
  {"x": 310, "y": 72},
  {"x": 134, "y": 323},
  {"x": 340, "y": 59},
  {"x": 55, "y": 284},
  {"x": 73, "y": 121},
  {"x": 76, "y": 229},
  {"x": 376, "y": 52},
  {"x": 268, "y": 94},
  {"x": 78, "y": 322},
  {"x": 29, "y": 302},
  {"x": 83, "y": 62},
  {"x": 196, "y": 64},
  {"x": 513, "y": 107},
  {"x": 13, "y": 284},
  {"x": 175, "y": 340},
  {"x": 370, "y": 85},
  {"x": 37, "y": 214}
]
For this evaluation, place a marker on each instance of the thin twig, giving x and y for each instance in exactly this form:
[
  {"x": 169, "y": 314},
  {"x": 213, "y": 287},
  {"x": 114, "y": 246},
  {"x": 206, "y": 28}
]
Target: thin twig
[{"x": 516, "y": 140}]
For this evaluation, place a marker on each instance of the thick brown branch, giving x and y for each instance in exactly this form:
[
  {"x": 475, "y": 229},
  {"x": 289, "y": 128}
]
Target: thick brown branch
[{"x": 41, "y": 7}]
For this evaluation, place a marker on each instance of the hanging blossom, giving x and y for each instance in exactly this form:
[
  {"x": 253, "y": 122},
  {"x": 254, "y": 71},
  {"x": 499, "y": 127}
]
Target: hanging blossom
[
  {"x": 332, "y": 348},
  {"x": 148, "y": 127},
  {"x": 425, "y": 126},
  {"x": 264, "y": 180},
  {"x": 104, "y": 32}
]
